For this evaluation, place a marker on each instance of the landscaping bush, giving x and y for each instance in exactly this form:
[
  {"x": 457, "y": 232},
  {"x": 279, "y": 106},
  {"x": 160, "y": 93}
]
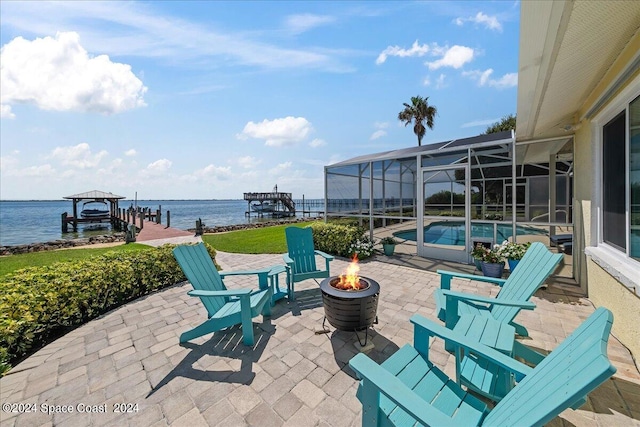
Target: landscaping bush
[
  {"x": 339, "y": 239},
  {"x": 38, "y": 304}
]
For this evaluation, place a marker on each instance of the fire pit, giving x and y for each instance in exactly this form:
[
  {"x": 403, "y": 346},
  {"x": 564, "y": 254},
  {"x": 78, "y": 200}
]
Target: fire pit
[{"x": 350, "y": 301}]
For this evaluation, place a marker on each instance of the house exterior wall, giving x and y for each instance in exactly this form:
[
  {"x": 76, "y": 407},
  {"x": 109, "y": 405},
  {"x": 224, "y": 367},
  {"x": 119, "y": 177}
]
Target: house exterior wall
[{"x": 602, "y": 288}]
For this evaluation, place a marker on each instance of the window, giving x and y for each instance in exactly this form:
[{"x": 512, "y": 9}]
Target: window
[{"x": 621, "y": 181}]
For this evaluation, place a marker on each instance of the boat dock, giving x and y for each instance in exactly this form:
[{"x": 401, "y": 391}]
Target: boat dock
[{"x": 275, "y": 203}]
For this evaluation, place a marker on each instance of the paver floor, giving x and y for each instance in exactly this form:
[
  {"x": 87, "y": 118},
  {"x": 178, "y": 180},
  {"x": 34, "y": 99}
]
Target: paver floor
[{"x": 128, "y": 368}]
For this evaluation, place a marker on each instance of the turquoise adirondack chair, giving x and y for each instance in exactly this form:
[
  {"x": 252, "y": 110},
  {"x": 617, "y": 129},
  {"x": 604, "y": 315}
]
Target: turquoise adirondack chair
[
  {"x": 534, "y": 268},
  {"x": 225, "y": 307},
  {"x": 301, "y": 258},
  {"x": 407, "y": 389}
]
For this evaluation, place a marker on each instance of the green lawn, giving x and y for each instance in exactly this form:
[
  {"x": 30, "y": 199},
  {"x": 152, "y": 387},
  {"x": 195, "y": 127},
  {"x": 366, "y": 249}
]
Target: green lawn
[
  {"x": 11, "y": 263},
  {"x": 267, "y": 240}
]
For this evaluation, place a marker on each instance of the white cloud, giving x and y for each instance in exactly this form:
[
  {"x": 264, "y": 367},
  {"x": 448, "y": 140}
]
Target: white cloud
[
  {"x": 378, "y": 134},
  {"x": 489, "y": 22},
  {"x": 476, "y": 123},
  {"x": 58, "y": 74},
  {"x": 278, "y": 132},
  {"x": 5, "y": 112},
  {"x": 381, "y": 125},
  {"x": 454, "y": 57},
  {"x": 307, "y": 21},
  {"x": 484, "y": 78},
  {"x": 41, "y": 171},
  {"x": 248, "y": 162},
  {"x": 8, "y": 163},
  {"x": 139, "y": 29},
  {"x": 415, "y": 50},
  {"x": 158, "y": 167},
  {"x": 508, "y": 80},
  {"x": 440, "y": 84},
  {"x": 280, "y": 168},
  {"x": 130, "y": 153},
  {"x": 213, "y": 171},
  {"x": 78, "y": 156},
  {"x": 426, "y": 81},
  {"x": 317, "y": 143}
]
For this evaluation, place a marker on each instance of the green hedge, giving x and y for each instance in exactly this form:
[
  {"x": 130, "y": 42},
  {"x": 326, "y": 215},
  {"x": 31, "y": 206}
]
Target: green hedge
[
  {"x": 38, "y": 304},
  {"x": 334, "y": 238}
]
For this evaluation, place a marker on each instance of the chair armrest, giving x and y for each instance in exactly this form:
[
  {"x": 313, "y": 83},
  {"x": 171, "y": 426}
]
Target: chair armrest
[
  {"x": 459, "y": 340},
  {"x": 374, "y": 375},
  {"x": 261, "y": 273},
  {"x": 324, "y": 255},
  {"x": 287, "y": 259},
  {"x": 231, "y": 293},
  {"x": 445, "y": 280},
  {"x": 244, "y": 272},
  {"x": 488, "y": 300}
]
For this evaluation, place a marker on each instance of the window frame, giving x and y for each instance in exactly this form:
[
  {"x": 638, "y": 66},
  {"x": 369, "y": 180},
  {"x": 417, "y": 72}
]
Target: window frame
[{"x": 618, "y": 263}]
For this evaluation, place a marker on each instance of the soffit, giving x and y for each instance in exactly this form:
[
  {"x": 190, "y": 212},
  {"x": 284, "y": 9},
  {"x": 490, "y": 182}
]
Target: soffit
[{"x": 566, "y": 49}]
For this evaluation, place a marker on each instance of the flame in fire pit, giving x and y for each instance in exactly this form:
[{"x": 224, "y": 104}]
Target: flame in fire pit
[{"x": 350, "y": 279}]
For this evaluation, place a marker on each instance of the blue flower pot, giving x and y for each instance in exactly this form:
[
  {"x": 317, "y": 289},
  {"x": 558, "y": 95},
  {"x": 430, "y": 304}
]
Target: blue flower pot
[
  {"x": 491, "y": 269},
  {"x": 388, "y": 249},
  {"x": 478, "y": 264},
  {"x": 512, "y": 264}
]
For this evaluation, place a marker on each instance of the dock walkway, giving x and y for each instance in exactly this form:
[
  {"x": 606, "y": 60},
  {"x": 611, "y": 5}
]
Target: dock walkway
[{"x": 154, "y": 234}]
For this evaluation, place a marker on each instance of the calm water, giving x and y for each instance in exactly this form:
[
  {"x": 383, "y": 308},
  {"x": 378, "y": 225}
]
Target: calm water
[
  {"x": 453, "y": 232},
  {"x": 24, "y": 222}
]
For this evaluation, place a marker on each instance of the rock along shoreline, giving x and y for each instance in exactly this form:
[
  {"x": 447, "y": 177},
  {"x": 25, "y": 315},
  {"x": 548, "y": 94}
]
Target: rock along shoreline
[{"x": 120, "y": 237}]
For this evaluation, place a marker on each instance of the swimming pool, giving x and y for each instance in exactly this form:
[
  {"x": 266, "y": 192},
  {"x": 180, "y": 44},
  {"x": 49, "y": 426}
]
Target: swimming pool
[{"x": 453, "y": 232}]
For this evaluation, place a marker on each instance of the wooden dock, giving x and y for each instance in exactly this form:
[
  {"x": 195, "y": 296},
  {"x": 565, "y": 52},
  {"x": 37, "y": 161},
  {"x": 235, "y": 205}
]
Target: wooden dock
[{"x": 282, "y": 204}]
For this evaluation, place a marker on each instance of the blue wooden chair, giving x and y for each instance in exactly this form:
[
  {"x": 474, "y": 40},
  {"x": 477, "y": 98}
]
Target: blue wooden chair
[
  {"x": 301, "y": 258},
  {"x": 408, "y": 390},
  {"x": 534, "y": 268},
  {"x": 225, "y": 307}
]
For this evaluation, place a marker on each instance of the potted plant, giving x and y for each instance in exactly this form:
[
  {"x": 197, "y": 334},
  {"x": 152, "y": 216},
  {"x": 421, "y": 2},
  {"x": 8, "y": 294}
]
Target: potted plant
[
  {"x": 492, "y": 262},
  {"x": 388, "y": 245},
  {"x": 478, "y": 254},
  {"x": 513, "y": 252}
]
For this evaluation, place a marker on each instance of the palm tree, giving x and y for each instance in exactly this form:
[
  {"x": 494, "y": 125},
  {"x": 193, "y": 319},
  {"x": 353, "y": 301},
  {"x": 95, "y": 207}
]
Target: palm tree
[{"x": 419, "y": 112}]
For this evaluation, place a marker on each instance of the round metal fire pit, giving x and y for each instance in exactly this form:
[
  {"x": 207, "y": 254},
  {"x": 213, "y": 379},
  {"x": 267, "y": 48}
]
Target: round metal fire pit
[{"x": 350, "y": 310}]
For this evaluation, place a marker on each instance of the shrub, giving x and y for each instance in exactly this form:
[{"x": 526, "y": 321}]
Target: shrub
[
  {"x": 338, "y": 239},
  {"x": 38, "y": 304},
  {"x": 514, "y": 251},
  {"x": 361, "y": 248}
]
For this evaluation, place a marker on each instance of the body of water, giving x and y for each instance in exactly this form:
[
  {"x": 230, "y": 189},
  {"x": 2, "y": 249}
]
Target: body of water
[{"x": 23, "y": 222}]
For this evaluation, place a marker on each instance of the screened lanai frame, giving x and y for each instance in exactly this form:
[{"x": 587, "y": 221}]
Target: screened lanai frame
[{"x": 381, "y": 192}]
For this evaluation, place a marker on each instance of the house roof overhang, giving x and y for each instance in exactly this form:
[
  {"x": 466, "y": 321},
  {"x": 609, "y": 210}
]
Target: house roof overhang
[{"x": 567, "y": 48}]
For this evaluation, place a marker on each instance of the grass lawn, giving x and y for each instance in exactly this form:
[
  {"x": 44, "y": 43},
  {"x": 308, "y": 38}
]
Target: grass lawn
[
  {"x": 267, "y": 240},
  {"x": 11, "y": 263}
]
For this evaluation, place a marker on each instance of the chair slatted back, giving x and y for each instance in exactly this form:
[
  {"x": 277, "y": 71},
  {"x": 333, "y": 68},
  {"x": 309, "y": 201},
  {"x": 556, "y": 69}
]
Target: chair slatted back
[
  {"x": 575, "y": 368},
  {"x": 197, "y": 265},
  {"x": 533, "y": 269},
  {"x": 301, "y": 250}
]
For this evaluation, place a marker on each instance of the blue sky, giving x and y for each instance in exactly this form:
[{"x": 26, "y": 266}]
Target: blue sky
[{"x": 207, "y": 100}]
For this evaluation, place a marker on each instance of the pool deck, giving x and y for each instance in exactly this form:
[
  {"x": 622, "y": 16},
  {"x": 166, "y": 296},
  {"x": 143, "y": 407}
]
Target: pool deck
[{"x": 291, "y": 377}]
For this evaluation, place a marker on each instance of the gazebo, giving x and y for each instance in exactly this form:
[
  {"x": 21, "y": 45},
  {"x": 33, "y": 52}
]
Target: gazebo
[{"x": 91, "y": 196}]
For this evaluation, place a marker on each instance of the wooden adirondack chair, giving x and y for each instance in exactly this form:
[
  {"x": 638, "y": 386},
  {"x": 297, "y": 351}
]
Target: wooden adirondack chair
[
  {"x": 408, "y": 389},
  {"x": 534, "y": 268},
  {"x": 225, "y": 307},
  {"x": 301, "y": 258}
]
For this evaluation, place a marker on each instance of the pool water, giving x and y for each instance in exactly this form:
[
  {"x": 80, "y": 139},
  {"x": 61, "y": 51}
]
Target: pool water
[{"x": 453, "y": 232}]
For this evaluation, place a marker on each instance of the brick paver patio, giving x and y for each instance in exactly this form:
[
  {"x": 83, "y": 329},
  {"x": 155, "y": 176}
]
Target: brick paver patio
[{"x": 130, "y": 359}]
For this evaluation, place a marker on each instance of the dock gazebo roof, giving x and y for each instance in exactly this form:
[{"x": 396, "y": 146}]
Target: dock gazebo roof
[{"x": 95, "y": 195}]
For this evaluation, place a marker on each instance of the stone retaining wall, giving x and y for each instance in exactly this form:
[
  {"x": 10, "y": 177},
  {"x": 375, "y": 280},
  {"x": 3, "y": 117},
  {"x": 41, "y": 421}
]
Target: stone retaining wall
[
  {"x": 225, "y": 228},
  {"x": 61, "y": 244}
]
